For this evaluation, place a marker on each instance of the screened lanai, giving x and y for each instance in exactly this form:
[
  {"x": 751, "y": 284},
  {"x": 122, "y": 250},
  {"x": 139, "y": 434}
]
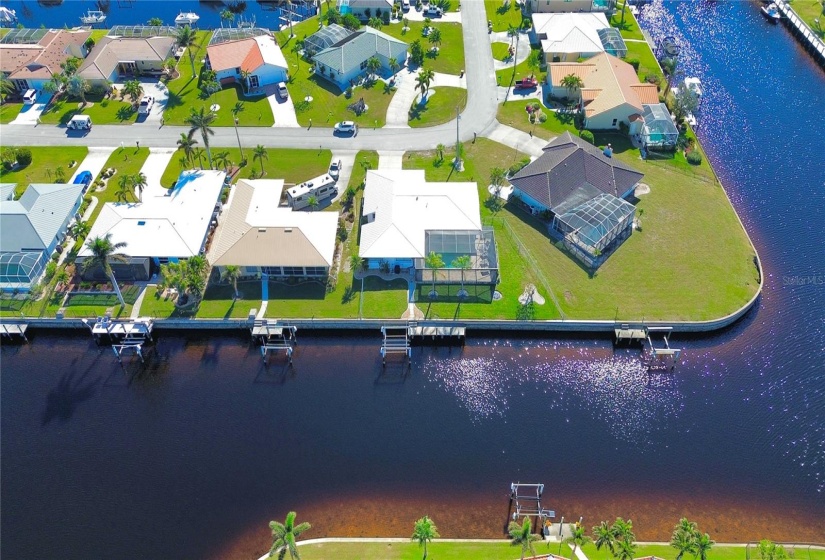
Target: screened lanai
[
  {"x": 20, "y": 270},
  {"x": 594, "y": 228},
  {"x": 325, "y": 38},
  {"x": 658, "y": 129},
  {"x": 451, "y": 246},
  {"x": 612, "y": 42}
]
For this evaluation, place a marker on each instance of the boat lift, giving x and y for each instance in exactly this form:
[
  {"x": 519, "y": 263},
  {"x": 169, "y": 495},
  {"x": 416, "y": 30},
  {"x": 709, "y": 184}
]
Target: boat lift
[
  {"x": 125, "y": 336},
  {"x": 662, "y": 356},
  {"x": 274, "y": 337},
  {"x": 396, "y": 341},
  {"x": 527, "y": 500}
]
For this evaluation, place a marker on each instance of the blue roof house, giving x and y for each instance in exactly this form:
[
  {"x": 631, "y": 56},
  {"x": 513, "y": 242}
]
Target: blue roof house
[{"x": 344, "y": 62}]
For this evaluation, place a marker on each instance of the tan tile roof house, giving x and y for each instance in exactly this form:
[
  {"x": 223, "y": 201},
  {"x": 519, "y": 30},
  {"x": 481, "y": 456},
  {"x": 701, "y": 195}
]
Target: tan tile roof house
[
  {"x": 115, "y": 56},
  {"x": 611, "y": 93},
  {"x": 36, "y": 63}
]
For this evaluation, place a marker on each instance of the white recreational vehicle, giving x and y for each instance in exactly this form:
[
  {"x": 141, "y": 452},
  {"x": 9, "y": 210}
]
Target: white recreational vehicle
[{"x": 320, "y": 187}]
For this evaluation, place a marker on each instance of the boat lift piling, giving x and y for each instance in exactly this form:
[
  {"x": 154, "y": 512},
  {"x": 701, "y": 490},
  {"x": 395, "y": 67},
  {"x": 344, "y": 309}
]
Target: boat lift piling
[
  {"x": 527, "y": 500},
  {"x": 274, "y": 337},
  {"x": 124, "y": 336},
  {"x": 396, "y": 341}
]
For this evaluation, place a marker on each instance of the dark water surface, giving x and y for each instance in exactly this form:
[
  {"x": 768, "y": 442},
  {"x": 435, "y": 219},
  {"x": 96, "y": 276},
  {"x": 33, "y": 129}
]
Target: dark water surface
[{"x": 193, "y": 456}]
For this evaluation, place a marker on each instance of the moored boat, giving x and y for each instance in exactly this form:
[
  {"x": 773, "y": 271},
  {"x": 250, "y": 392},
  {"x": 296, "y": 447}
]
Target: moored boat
[
  {"x": 92, "y": 17},
  {"x": 7, "y": 15},
  {"x": 771, "y": 12},
  {"x": 187, "y": 18}
]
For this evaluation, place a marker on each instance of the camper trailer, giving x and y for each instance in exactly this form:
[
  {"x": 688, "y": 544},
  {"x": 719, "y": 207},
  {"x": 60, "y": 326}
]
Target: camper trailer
[{"x": 320, "y": 187}]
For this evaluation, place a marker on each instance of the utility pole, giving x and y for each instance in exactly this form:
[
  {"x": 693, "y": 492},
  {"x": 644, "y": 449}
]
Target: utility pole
[{"x": 457, "y": 141}]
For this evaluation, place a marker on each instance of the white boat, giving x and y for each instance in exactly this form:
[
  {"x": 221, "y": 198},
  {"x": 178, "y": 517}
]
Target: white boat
[
  {"x": 92, "y": 17},
  {"x": 694, "y": 85},
  {"x": 771, "y": 12},
  {"x": 187, "y": 18},
  {"x": 7, "y": 15}
]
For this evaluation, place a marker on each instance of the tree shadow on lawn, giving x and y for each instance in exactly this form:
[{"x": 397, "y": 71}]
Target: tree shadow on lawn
[{"x": 418, "y": 110}]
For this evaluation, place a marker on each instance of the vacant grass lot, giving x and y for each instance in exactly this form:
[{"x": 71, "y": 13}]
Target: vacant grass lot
[
  {"x": 439, "y": 108},
  {"x": 184, "y": 95},
  {"x": 450, "y": 59},
  {"x": 41, "y": 169},
  {"x": 501, "y": 17},
  {"x": 9, "y": 112},
  {"x": 294, "y": 166},
  {"x": 514, "y": 113},
  {"x": 102, "y": 110}
]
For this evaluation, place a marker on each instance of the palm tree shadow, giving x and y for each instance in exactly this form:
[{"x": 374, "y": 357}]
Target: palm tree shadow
[{"x": 62, "y": 401}]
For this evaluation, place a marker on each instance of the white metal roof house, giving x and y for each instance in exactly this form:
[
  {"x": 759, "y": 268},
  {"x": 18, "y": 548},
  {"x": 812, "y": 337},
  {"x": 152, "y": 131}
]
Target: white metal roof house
[
  {"x": 260, "y": 56},
  {"x": 257, "y": 235},
  {"x": 163, "y": 228},
  {"x": 571, "y": 6},
  {"x": 568, "y": 37},
  {"x": 405, "y": 218},
  {"x": 343, "y": 62},
  {"x": 30, "y": 229}
]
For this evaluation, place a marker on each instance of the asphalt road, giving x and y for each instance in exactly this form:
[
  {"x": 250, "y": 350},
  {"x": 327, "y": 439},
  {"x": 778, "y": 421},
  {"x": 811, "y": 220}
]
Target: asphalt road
[{"x": 478, "y": 117}]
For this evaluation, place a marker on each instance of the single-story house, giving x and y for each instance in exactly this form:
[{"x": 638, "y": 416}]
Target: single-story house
[
  {"x": 365, "y": 9},
  {"x": 571, "y": 6},
  {"x": 260, "y": 237},
  {"x": 611, "y": 94},
  {"x": 405, "y": 218},
  {"x": 163, "y": 228},
  {"x": 31, "y": 228},
  {"x": 260, "y": 56},
  {"x": 343, "y": 62},
  {"x": 30, "y": 65},
  {"x": 114, "y": 57},
  {"x": 568, "y": 37},
  {"x": 584, "y": 191},
  {"x": 326, "y": 37},
  {"x": 655, "y": 127}
]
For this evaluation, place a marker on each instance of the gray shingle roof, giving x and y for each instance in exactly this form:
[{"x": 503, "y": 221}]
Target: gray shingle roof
[
  {"x": 33, "y": 221},
  {"x": 361, "y": 46},
  {"x": 572, "y": 171}
]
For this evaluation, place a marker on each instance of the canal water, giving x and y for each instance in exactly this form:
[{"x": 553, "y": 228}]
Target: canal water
[{"x": 193, "y": 455}]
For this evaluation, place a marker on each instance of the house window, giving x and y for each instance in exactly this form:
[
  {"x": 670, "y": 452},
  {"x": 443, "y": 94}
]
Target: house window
[
  {"x": 293, "y": 271},
  {"x": 316, "y": 271},
  {"x": 253, "y": 82},
  {"x": 271, "y": 270},
  {"x": 614, "y": 122},
  {"x": 238, "y": 70},
  {"x": 363, "y": 65}
]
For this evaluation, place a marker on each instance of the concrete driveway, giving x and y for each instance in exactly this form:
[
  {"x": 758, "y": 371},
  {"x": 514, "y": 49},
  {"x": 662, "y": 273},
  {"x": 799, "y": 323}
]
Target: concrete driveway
[
  {"x": 29, "y": 114},
  {"x": 159, "y": 91},
  {"x": 153, "y": 168},
  {"x": 93, "y": 162},
  {"x": 449, "y": 17},
  {"x": 283, "y": 110},
  {"x": 390, "y": 159},
  {"x": 347, "y": 158}
]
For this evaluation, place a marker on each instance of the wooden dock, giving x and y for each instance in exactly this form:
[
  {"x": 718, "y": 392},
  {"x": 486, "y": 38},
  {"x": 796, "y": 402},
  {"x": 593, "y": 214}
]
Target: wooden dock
[
  {"x": 14, "y": 330},
  {"x": 630, "y": 333},
  {"x": 803, "y": 33},
  {"x": 437, "y": 331}
]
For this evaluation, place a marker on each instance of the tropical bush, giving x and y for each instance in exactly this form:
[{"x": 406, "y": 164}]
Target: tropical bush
[
  {"x": 588, "y": 136},
  {"x": 23, "y": 156},
  {"x": 634, "y": 62},
  {"x": 694, "y": 157}
]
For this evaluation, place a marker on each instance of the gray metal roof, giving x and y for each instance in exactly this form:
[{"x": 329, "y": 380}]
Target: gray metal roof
[
  {"x": 571, "y": 171},
  {"x": 33, "y": 221},
  {"x": 358, "y": 47},
  {"x": 7, "y": 191}
]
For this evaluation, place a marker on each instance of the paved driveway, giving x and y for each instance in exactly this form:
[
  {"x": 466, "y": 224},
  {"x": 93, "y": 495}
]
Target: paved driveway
[
  {"x": 30, "y": 113},
  {"x": 153, "y": 168},
  {"x": 282, "y": 109},
  {"x": 93, "y": 162},
  {"x": 390, "y": 160},
  {"x": 449, "y": 17},
  {"x": 159, "y": 91},
  {"x": 347, "y": 158}
]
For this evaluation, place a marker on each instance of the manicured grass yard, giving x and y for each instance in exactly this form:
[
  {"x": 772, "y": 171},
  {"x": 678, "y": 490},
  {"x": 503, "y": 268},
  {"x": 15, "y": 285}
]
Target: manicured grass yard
[
  {"x": 501, "y": 51},
  {"x": 647, "y": 62},
  {"x": 716, "y": 553},
  {"x": 41, "y": 169},
  {"x": 127, "y": 161},
  {"x": 16, "y": 307},
  {"x": 513, "y": 113},
  {"x": 185, "y": 95},
  {"x": 809, "y": 10},
  {"x": 493, "y": 550},
  {"x": 500, "y": 17},
  {"x": 9, "y": 112},
  {"x": 439, "y": 108},
  {"x": 218, "y": 303},
  {"x": 93, "y": 305},
  {"x": 450, "y": 59},
  {"x": 294, "y": 166},
  {"x": 505, "y": 76},
  {"x": 630, "y": 28},
  {"x": 101, "y": 110}
]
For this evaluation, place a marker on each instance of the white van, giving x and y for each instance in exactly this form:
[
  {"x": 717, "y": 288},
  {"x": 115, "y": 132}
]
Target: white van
[
  {"x": 80, "y": 122},
  {"x": 30, "y": 97}
]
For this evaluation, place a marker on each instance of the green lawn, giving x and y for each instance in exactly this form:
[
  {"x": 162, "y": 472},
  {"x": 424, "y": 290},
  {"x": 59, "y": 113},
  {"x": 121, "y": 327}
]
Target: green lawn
[
  {"x": 513, "y": 113},
  {"x": 809, "y": 10},
  {"x": 218, "y": 303},
  {"x": 502, "y": 19},
  {"x": 294, "y": 166},
  {"x": 494, "y": 550},
  {"x": 440, "y": 107},
  {"x": 15, "y": 307},
  {"x": 381, "y": 299},
  {"x": 716, "y": 553},
  {"x": 127, "y": 161},
  {"x": 101, "y": 110},
  {"x": 92, "y": 305},
  {"x": 647, "y": 62},
  {"x": 41, "y": 169},
  {"x": 9, "y": 112},
  {"x": 185, "y": 95},
  {"x": 630, "y": 28},
  {"x": 501, "y": 51},
  {"x": 450, "y": 59},
  {"x": 505, "y": 76}
]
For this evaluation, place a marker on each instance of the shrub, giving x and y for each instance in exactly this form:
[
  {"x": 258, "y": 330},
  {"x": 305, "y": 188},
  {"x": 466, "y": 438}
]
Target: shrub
[
  {"x": 51, "y": 268},
  {"x": 24, "y": 156},
  {"x": 653, "y": 79},
  {"x": 587, "y": 136},
  {"x": 349, "y": 195},
  {"x": 634, "y": 62},
  {"x": 332, "y": 283},
  {"x": 518, "y": 166},
  {"x": 693, "y": 158},
  {"x": 342, "y": 231}
]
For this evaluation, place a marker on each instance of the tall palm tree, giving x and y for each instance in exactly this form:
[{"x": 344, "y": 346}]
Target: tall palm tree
[
  {"x": 80, "y": 229},
  {"x": 424, "y": 79},
  {"x": 440, "y": 150},
  {"x": 187, "y": 144},
  {"x": 228, "y": 16},
  {"x": 222, "y": 158},
  {"x": 284, "y": 535},
  {"x": 245, "y": 74},
  {"x": 522, "y": 535},
  {"x": 572, "y": 82},
  {"x": 703, "y": 544},
  {"x": 373, "y": 65},
  {"x": 626, "y": 550},
  {"x": 683, "y": 542},
  {"x": 623, "y": 530},
  {"x": 104, "y": 252},
  {"x": 534, "y": 62},
  {"x": 687, "y": 526},
  {"x": 133, "y": 89},
  {"x": 393, "y": 64},
  {"x": 356, "y": 263},
  {"x": 514, "y": 31},
  {"x": 199, "y": 121},
  {"x": 231, "y": 273},
  {"x": 187, "y": 38},
  {"x": 578, "y": 538},
  {"x": 260, "y": 154},
  {"x": 464, "y": 262},
  {"x": 603, "y": 537},
  {"x": 434, "y": 261},
  {"x": 435, "y": 37},
  {"x": 424, "y": 531},
  {"x": 125, "y": 190},
  {"x": 197, "y": 153},
  {"x": 139, "y": 181}
]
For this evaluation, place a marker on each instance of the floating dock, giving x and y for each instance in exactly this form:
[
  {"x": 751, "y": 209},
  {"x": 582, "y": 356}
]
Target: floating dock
[{"x": 275, "y": 337}]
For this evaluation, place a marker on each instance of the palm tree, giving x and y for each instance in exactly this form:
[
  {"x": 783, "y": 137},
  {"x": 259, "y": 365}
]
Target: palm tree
[
  {"x": 185, "y": 37},
  {"x": 55, "y": 84},
  {"x": 6, "y": 86},
  {"x": 133, "y": 89},
  {"x": 375, "y": 23},
  {"x": 534, "y": 62},
  {"x": 228, "y": 16},
  {"x": 187, "y": 144},
  {"x": 513, "y": 31},
  {"x": 435, "y": 37},
  {"x": 686, "y": 526},
  {"x": 155, "y": 22},
  {"x": 80, "y": 229},
  {"x": 433, "y": 261},
  {"x": 245, "y": 74},
  {"x": 623, "y": 530},
  {"x": 312, "y": 201},
  {"x": 703, "y": 544},
  {"x": 260, "y": 154},
  {"x": 626, "y": 550},
  {"x": 603, "y": 537},
  {"x": 522, "y": 535},
  {"x": 578, "y": 538},
  {"x": 394, "y": 66},
  {"x": 104, "y": 252},
  {"x": 222, "y": 158},
  {"x": 199, "y": 121},
  {"x": 373, "y": 65},
  {"x": 356, "y": 263},
  {"x": 231, "y": 273},
  {"x": 424, "y": 79},
  {"x": 440, "y": 150},
  {"x": 77, "y": 87},
  {"x": 197, "y": 153},
  {"x": 572, "y": 82},
  {"x": 683, "y": 542},
  {"x": 424, "y": 531},
  {"x": 125, "y": 184},
  {"x": 464, "y": 262},
  {"x": 284, "y": 535},
  {"x": 139, "y": 181}
]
